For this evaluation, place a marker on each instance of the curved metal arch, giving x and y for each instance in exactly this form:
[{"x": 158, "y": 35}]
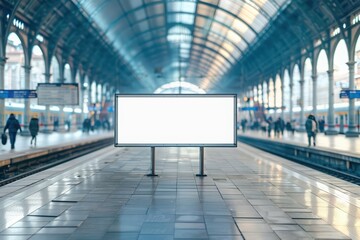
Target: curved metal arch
[
  {"x": 195, "y": 14},
  {"x": 202, "y": 46},
  {"x": 12, "y": 17},
  {"x": 207, "y": 59},
  {"x": 60, "y": 29},
  {"x": 293, "y": 70},
  {"x": 309, "y": 17},
  {"x": 329, "y": 5},
  {"x": 181, "y": 24},
  {"x": 193, "y": 43},
  {"x": 205, "y": 39},
  {"x": 317, "y": 55},
  {"x": 46, "y": 11},
  {"x": 290, "y": 29},
  {"x": 187, "y": 68},
  {"x": 42, "y": 53},
  {"x": 353, "y": 47},
  {"x": 23, "y": 45},
  {"x": 335, "y": 45},
  {"x": 303, "y": 62},
  {"x": 286, "y": 70}
]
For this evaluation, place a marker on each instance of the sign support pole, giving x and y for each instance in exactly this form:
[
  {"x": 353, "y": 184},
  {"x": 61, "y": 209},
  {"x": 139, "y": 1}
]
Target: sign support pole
[
  {"x": 152, "y": 174},
  {"x": 201, "y": 163}
]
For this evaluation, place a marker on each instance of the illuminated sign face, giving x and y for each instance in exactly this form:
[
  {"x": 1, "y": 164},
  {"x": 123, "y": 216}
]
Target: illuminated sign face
[{"x": 175, "y": 120}]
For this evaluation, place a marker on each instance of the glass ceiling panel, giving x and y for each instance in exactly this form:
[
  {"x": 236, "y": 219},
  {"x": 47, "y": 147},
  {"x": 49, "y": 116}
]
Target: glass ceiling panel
[
  {"x": 205, "y": 10},
  {"x": 181, "y": 6},
  {"x": 155, "y": 9},
  {"x": 267, "y": 6},
  {"x": 184, "y": 18},
  {"x": 137, "y": 16},
  {"x": 212, "y": 34},
  {"x": 224, "y": 17}
]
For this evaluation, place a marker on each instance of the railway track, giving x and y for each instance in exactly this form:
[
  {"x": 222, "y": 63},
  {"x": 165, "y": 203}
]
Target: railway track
[
  {"x": 27, "y": 166},
  {"x": 334, "y": 164}
]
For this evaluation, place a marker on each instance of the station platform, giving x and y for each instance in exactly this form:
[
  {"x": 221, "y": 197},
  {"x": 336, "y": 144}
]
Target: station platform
[
  {"x": 46, "y": 140},
  {"x": 247, "y": 194},
  {"x": 332, "y": 143}
]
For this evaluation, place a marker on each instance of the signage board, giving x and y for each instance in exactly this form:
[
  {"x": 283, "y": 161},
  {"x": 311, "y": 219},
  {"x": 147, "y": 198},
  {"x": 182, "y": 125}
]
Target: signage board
[
  {"x": 58, "y": 94},
  {"x": 175, "y": 120},
  {"x": 351, "y": 94},
  {"x": 18, "y": 94},
  {"x": 249, "y": 109}
]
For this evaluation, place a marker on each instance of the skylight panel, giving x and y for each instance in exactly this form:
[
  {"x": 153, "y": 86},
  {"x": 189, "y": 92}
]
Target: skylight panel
[
  {"x": 219, "y": 29},
  {"x": 267, "y": 6},
  {"x": 205, "y": 10},
  {"x": 181, "y": 6},
  {"x": 232, "y": 6},
  {"x": 223, "y": 17},
  {"x": 243, "y": 30}
]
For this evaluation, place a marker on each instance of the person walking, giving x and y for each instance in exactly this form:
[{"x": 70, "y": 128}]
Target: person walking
[
  {"x": 34, "y": 129},
  {"x": 270, "y": 123},
  {"x": 311, "y": 126},
  {"x": 13, "y": 125}
]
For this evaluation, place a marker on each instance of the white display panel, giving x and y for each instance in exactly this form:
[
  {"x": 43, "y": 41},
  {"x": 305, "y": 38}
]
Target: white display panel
[
  {"x": 58, "y": 93},
  {"x": 175, "y": 120}
]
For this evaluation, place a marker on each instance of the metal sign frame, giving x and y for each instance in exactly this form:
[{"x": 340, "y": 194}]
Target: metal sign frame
[
  {"x": 160, "y": 144},
  {"x": 60, "y": 87}
]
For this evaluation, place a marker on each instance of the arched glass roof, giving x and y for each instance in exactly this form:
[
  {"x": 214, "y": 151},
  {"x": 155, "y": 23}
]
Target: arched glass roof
[
  {"x": 209, "y": 35},
  {"x": 177, "y": 87}
]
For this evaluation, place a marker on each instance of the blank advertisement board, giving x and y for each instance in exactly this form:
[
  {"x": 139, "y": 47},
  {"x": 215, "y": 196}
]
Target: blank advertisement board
[
  {"x": 175, "y": 120},
  {"x": 58, "y": 93}
]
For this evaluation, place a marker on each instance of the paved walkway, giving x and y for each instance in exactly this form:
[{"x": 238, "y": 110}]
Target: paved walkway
[
  {"x": 333, "y": 143},
  {"x": 248, "y": 194},
  {"x": 22, "y": 144}
]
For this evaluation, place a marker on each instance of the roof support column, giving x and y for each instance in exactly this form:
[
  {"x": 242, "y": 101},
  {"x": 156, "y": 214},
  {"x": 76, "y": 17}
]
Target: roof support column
[
  {"x": 26, "y": 120},
  {"x": 97, "y": 92},
  {"x": 282, "y": 99},
  {"x": 291, "y": 86},
  {"x": 81, "y": 96},
  {"x": 275, "y": 92},
  {"x": 331, "y": 114},
  {"x": 61, "y": 119},
  {"x": 47, "y": 107},
  {"x": 2, "y": 86},
  {"x": 314, "y": 103},
  {"x": 352, "y": 125},
  {"x": 302, "y": 113},
  {"x": 259, "y": 96},
  {"x": 268, "y": 94}
]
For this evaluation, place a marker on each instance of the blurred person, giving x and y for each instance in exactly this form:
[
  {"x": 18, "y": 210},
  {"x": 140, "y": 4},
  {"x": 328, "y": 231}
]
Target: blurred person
[
  {"x": 270, "y": 125},
  {"x": 34, "y": 129},
  {"x": 243, "y": 125},
  {"x": 282, "y": 126},
  {"x": 311, "y": 126},
  {"x": 321, "y": 125},
  {"x": 13, "y": 125}
]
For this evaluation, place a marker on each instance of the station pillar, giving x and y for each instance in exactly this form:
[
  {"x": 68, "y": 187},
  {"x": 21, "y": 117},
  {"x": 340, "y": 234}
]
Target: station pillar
[
  {"x": 47, "y": 110},
  {"x": 352, "y": 124},
  {"x": 331, "y": 119},
  {"x": 26, "y": 119},
  {"x": 302, "y": 113},
  {"x": 291, "y": 86},
  {"x": 314, "y": 103},
  {"x": 2, "y": 101}
]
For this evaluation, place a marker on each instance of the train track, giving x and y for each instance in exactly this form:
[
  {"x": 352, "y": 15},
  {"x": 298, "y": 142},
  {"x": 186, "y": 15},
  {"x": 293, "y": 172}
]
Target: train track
[
  {"x": 283, "y": 150},
  {"x": 27, "y": 167}
]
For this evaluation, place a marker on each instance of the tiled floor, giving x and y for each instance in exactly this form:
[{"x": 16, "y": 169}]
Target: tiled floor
[{"x": 248, "y": 194}]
